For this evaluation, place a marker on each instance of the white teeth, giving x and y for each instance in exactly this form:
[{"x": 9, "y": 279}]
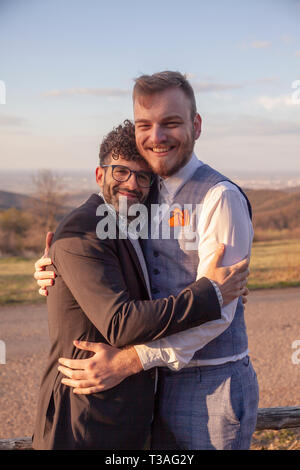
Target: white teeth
[{"x": 160, "y": 149}]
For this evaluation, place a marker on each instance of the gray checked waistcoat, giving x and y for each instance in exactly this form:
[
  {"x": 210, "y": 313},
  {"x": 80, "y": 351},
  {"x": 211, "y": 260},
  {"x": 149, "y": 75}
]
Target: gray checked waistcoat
[{"x": 171, "y": 252}]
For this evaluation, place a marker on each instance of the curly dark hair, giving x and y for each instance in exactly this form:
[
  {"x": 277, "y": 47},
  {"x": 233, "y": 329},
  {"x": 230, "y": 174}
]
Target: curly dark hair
[{"x": 120, "y": 142}]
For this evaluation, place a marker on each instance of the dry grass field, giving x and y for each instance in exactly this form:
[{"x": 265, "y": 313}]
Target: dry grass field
[
  {"x": 17, "y": 284},
  {"x": 286, "y": 439},
  {"x": 275, "y": 264}
]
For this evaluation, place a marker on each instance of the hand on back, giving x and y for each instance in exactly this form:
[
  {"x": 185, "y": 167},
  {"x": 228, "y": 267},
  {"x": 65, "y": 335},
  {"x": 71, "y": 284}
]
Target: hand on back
[
  {"x": 232, "y": 280},
  {"x": 44, "y": 278}
]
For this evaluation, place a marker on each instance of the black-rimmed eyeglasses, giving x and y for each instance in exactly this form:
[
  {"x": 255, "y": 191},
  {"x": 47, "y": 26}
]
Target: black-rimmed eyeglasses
[{"x": 122, "y": 174}]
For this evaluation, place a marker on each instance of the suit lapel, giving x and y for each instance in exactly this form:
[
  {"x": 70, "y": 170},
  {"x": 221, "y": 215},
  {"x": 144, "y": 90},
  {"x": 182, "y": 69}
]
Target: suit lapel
[
  {"x": 134, "y": 257},
  {"x": 152, "y": 199},
  {"x": 130, "y": 248}
]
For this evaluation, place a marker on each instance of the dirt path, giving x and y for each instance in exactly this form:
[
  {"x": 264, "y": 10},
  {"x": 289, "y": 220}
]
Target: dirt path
[{"x": 273, "y": 323}]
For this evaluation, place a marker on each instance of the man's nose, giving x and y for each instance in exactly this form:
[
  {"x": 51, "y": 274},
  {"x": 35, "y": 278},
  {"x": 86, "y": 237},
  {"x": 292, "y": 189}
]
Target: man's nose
[
  {"x": 131, "y": 183},
  {"x": 157, "y": 135}
]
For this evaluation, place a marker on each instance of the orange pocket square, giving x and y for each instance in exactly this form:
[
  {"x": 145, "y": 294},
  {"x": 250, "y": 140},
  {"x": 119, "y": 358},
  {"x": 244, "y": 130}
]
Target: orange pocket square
[{"x": 179, "y": 218}]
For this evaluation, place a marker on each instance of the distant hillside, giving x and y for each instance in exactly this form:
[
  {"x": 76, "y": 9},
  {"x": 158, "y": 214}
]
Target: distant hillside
[
  {"x": 24, "y": 202},
  {"x": 272, "y": 209},
  {"x": 259, "y": 196},
  {"x": 275, "y": 210},
  {"x": 76, "y": 199},
  {"x": 19, "y": 201},
  {"x": 296, "y": 189}
]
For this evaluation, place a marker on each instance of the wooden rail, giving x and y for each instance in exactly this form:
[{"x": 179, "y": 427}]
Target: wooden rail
[
  {"x": 18, "y": 443},
  {"x": 267, "y": 418},
  {"x": 278, "y": 418}
]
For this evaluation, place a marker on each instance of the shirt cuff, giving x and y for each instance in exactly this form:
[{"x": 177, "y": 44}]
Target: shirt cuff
[
  {"x": 218, "y": 292},
  {"x": 147, "y": 357}
]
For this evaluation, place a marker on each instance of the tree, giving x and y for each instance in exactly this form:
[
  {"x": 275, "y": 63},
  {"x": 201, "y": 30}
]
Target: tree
[
  {"x": 14, "y": 225},
  {"x": 49, "y": 195}
]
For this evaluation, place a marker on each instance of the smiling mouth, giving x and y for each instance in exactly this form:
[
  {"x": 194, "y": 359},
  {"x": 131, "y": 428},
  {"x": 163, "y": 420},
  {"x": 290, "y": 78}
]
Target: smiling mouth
[
  {"x": 129, "y": 195},
  {"x": 162, "y": 150}
]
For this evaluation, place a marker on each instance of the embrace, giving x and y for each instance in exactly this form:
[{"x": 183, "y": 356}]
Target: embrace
[{"x": 149, "y": 346}]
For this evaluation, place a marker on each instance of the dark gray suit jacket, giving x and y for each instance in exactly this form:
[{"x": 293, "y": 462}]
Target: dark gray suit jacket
[{"x": 100, "y": 295}]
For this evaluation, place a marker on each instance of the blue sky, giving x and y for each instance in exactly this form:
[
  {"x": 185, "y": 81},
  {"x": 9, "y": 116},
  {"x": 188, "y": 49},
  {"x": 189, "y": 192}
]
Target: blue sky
[{"x": 68, "y": 67}]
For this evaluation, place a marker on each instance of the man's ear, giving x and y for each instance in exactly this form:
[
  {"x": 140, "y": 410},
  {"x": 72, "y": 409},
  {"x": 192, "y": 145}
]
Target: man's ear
[
  {"x": 100, "y": 176},
  {"x": 197, "y": 125}
]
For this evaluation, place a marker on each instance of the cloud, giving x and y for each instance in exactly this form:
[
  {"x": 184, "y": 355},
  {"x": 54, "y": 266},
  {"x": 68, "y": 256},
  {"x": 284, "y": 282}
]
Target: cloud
[
  {"x": 267, "y": 80},
  {"x": 190, "y": 76},
  {"x": 244, "y": 125},
  {"x": 260, "y": 44},
  {"x": 286, "y": 38},
  {"x": 297, "y": 53},
  {"x": 199, "y": 87},
  {"x": 9, "y": 120},
  {"x": 269, "y": 102},
  {"x": 207, "y": 87},
  {"x": 106, "y": 92},
  {"x": 258, "y": 126}
]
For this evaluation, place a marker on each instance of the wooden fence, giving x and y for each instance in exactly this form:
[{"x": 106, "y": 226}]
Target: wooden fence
[{"x": 268, "y": 418}]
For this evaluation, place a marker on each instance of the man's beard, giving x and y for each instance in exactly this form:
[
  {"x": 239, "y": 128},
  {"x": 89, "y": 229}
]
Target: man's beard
[
  {"x": 185, "y": 155},
  {"x": 165, "y": 172},
  {"x": 112, "y": 198}
]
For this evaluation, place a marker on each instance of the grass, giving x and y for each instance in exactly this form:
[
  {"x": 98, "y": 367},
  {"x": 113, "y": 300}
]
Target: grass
[
  {"x": 17, "y": 284},
  {"x": 285, "y": 439},
  {"x": 274, "y": 264}
]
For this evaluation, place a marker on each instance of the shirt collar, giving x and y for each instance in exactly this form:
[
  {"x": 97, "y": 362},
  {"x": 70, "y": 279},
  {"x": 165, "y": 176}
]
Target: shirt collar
[{"x": 170, "y": 186}]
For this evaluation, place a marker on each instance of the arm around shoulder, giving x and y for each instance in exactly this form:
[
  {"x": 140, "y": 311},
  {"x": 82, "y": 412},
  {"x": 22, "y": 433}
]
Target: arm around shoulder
[{"x": 92, "y": 272}]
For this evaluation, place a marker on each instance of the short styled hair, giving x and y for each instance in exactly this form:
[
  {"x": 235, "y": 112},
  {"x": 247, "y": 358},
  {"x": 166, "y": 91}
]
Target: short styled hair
[
  {"x": 120, "y": 142},
  {"x": 147, "y": 85}
]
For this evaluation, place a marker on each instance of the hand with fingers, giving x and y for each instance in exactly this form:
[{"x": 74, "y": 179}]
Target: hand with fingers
[
  {"x": 105, "y": 369},
  {"x": 44, "y": 278},
  {"x": 232, "y": 280}
]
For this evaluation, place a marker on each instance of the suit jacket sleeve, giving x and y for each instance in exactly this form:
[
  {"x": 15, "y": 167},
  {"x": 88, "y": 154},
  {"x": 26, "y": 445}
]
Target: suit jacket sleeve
[{"x": 92, "y": 271}]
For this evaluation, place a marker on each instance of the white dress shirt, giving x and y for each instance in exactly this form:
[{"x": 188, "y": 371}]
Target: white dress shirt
[{"x": 224, "y": 219}]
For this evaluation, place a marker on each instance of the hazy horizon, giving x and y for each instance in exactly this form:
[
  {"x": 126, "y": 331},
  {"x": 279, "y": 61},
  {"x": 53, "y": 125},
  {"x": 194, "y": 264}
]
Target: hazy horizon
[{"x": 76, "y": 181}]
